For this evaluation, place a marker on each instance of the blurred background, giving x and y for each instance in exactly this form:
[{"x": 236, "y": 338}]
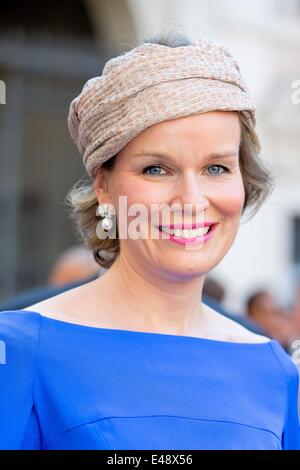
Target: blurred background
[{"x": 48, "y": 52}]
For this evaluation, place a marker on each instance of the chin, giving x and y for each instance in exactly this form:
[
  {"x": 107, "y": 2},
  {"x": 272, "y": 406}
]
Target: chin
[{"x": 185, "y": 268}]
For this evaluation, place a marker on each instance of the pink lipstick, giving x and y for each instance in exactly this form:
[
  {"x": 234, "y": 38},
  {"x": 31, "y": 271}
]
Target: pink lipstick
[{"x": 184, "y": 241}]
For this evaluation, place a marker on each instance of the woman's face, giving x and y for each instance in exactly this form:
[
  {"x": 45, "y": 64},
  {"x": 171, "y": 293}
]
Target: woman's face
[{"x": 188, "y": 172}]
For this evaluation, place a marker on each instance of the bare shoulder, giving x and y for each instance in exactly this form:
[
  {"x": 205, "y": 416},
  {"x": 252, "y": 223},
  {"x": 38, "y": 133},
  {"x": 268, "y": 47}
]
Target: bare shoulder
[
  {"x": 234, "y": 330},
  {"x": 66, "y": 305}
]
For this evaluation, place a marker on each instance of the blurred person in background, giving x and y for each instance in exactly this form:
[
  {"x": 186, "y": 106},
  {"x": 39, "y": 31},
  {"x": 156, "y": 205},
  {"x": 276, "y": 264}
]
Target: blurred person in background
[
  {"x": 263, "y": 309},
  {"x": 73, "y": 267},
  {"x": 214, "y": 295},
  {"x": 214, "y": 289},
  {"x": 75, "y": 264},
  {"x": 294, "y": 311}
]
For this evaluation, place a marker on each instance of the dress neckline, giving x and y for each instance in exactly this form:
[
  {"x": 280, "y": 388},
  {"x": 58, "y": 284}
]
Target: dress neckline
[{"x": 148, "y": 333}]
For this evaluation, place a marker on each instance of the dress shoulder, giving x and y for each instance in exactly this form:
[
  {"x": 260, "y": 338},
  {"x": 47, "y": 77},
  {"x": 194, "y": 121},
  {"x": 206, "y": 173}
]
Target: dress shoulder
[
  {"x": 19, "y": 336},
  {"x": 291, "y": 432}
]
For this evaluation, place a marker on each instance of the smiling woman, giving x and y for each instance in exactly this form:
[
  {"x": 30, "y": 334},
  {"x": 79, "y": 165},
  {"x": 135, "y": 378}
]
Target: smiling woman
[
  {"x": 134, "y": 359},
  {"x": 185, "y": 178},
  {"x": 257, "y": 182}
]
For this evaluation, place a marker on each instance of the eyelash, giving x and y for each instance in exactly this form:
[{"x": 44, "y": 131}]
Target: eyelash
[{"x": 226, "y": 170}]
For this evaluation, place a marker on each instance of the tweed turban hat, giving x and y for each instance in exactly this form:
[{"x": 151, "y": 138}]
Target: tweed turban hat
[{"x": 150, "y": 84}]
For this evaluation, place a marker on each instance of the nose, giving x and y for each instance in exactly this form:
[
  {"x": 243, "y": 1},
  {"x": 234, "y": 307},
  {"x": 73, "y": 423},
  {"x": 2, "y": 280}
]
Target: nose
[{"x": 190, "y": 195}]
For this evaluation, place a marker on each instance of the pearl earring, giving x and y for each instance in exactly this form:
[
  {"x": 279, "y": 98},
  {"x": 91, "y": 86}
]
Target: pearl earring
[{"x": 107, "y": 211}]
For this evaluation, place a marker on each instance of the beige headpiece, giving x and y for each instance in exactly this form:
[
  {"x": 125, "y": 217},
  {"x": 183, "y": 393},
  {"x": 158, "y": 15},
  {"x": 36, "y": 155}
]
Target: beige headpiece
[{"x": 150, "y": 84}]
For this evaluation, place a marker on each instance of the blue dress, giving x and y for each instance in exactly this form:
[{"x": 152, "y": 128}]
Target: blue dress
[{"x": 69, "y": 386}]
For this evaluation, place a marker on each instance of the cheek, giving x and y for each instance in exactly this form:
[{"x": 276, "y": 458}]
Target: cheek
[
  {"x": 139, "y": 192},
  {"x": 229, "y": 199},
  {"x": 139, "y": 198},
  {"x": 227, "y": 196}
]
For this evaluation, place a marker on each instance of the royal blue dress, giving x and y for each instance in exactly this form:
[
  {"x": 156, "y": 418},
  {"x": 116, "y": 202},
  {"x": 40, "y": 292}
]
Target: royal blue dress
[{"x": 68, "y": 386}]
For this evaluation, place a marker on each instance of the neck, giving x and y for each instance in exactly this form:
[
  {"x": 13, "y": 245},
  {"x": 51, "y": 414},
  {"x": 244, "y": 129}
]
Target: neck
[{"x": 152, "y": 301}]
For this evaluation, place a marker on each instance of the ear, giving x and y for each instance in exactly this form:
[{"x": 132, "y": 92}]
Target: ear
[{"x": 100, "y": 186}]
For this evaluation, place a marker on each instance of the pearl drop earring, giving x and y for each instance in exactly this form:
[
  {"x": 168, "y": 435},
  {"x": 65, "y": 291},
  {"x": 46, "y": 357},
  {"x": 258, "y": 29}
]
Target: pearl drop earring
[{"x": 107, "y": 211}]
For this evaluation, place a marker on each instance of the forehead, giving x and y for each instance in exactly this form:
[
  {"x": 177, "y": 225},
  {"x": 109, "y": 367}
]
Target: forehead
[{"x": 206, "y": 129}]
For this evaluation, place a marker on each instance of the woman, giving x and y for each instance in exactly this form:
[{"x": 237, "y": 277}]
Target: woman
[{"x": 134, "y": 359}]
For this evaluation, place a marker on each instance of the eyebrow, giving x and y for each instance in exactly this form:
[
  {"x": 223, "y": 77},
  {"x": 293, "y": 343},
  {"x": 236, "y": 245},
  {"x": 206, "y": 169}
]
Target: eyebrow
[{"x": 209, "y": 157}]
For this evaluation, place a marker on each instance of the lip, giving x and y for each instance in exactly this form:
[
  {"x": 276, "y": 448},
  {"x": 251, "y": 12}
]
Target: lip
[
  {"x": 189, "y": 226},
  {"x": 184, "y": 241}
]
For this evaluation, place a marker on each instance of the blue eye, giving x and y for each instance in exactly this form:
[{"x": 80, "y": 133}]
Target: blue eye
[
  {"x": 156, "y": 173},
  {"x": 157, "y": 170},
  {"x": 217, "y": 173}
]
